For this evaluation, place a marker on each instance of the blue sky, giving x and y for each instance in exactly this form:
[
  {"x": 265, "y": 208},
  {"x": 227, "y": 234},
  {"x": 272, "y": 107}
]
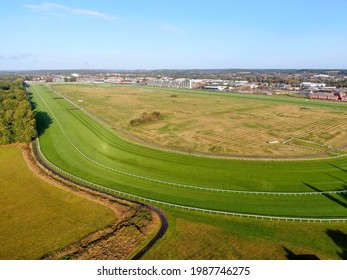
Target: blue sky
[{"x": 155, "y": 34}]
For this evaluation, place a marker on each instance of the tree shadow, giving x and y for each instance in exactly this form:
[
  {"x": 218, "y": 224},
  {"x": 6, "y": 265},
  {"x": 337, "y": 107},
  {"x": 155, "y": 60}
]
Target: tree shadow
[
  {"x": 338, "y": 167},
  {"x": 43, "y": 121},
  {"x": 329, "y": 196},
  {"x": 292, "y": 256},
  {"x": 339, "y": 179},
  {"x": 344, "y": 187},
  {"x": 340, "y": 239},
  {"x": 33, "y": 104}
]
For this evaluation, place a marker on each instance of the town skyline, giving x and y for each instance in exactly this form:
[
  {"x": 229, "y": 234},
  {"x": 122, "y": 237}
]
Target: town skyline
[{"x": 175, "y": 35}]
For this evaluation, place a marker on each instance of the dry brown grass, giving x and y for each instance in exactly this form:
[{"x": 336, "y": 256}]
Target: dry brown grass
[
  {"x": 118, "y": 242},
  {"x": 213, "y": 124}
]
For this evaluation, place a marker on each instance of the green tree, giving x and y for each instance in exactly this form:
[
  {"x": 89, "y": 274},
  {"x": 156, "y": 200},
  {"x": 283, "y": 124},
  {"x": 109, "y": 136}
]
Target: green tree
[{"x": 17, "y": 122}]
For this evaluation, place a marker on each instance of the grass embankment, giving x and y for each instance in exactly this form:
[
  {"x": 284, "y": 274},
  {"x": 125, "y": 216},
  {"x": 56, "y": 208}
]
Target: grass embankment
[
  {"x": 38, "y": 218},
  {"x": 80, "y": 145},
  {"x": 201, "y": 236}
]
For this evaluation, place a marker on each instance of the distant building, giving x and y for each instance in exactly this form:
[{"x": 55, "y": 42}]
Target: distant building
[
  {"x": 176, "y": 83},
  {"x": 238, "y": 83},
  {"x": 329, "y": 96},
  {"x": 219, "y": 88},
  {"x": 114, "y": 80},
  {"x": 85, "y": 79},
  {"x": 58, "y": 79},
  {"x": 312, "y": 86},
  {"x": 322, "y": 76}
]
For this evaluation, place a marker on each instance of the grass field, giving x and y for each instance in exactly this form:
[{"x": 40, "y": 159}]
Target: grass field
[
  {"x": 228, "y": 123},
  {"x": 202, "y": 236},
  {"x": 38, "y": 218},
  {"x": 80, "y": 145}
]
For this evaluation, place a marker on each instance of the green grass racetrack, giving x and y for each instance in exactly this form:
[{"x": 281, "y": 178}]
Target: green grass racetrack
[{"x": 78, "y": 144}]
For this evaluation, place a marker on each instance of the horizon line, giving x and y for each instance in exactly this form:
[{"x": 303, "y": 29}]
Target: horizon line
[{"x": 166, "y": 69}]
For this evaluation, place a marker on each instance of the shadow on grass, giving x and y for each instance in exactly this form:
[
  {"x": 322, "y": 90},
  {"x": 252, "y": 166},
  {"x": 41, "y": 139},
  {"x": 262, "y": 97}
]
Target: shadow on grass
[
  {"x": 43, "y": 121},
  {"x": 32, "y": 103},
  {"x": 344, "y": 187},
  {"x": 338, "y": 167},
  {"x": 329, "y": 196},
  {"x": 292, "y": 256},
  {"x": 340, "y": 239}
]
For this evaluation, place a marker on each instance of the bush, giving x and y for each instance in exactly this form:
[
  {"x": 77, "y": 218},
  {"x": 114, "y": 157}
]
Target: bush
[{"x": 155, "y": 116}]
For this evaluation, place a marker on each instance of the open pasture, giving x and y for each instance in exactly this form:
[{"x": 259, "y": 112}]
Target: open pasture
[
  {"x": 219, "y": 123},
  {"x": 80, "y": 145},
  {"x": 202, "y": 236},
  {"x": 38, "y": 218}
]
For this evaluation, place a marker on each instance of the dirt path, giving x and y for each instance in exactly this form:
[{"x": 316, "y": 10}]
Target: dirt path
[{"x": 160, "y": 233}]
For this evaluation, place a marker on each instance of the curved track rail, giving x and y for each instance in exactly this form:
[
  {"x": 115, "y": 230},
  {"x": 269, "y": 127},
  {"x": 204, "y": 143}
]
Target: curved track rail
[
  {"x": 85, "y": 183},
  {"x": 205, "y": 188},
  {"x": 84, "y": 165}
]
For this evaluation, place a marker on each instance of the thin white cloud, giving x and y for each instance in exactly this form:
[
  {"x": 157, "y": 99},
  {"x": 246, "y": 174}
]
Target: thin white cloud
[
  {"x": 172, "y": 29},
  {"x": 66, "y": 10},
  {"x": 92, "y": 13},
  {"x": 45, "y": 7}
]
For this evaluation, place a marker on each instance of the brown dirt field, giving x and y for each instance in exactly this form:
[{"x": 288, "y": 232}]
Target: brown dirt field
[{"x": 135, "y": 226}]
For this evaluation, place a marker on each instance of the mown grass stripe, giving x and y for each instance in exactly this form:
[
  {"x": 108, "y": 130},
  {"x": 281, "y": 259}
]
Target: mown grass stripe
[
  {"x": 183, "y": 207},
  {"x": 178, "y": 184},
  {"x": 265, "y": 176}
]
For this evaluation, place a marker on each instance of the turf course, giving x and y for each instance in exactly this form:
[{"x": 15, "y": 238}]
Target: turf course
[{"x": 75, "y": 142}]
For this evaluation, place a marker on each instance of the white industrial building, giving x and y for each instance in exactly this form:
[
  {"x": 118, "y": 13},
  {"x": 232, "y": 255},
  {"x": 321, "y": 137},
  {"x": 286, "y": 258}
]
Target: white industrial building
[
  {"x": 219, "y": 88},
  {"x": 176, "y": 83},
  {"x": 312, "y": 86}
]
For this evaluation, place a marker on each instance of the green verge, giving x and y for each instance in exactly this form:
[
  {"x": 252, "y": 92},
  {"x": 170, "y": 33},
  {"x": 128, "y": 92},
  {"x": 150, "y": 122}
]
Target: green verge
[
  {"x": 38, "y": 218},
  {"x": 61, "y": 129},
  {"x": 202, "y": 236}
]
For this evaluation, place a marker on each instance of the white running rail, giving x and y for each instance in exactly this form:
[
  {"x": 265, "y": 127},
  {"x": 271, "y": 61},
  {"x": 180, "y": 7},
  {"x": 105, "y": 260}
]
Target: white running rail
[
  {"x": 205, "y": 188},
  {"x": 183, "y": 207}
]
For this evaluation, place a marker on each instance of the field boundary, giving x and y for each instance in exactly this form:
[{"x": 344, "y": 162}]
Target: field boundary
[
  {"x": 177, "y": 206},
  {"x": 179, "y": 184}
]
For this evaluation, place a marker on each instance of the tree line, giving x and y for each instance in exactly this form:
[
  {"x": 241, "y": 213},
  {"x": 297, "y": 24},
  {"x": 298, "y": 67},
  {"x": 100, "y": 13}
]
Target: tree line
[{"x": 17, "y": 121}]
